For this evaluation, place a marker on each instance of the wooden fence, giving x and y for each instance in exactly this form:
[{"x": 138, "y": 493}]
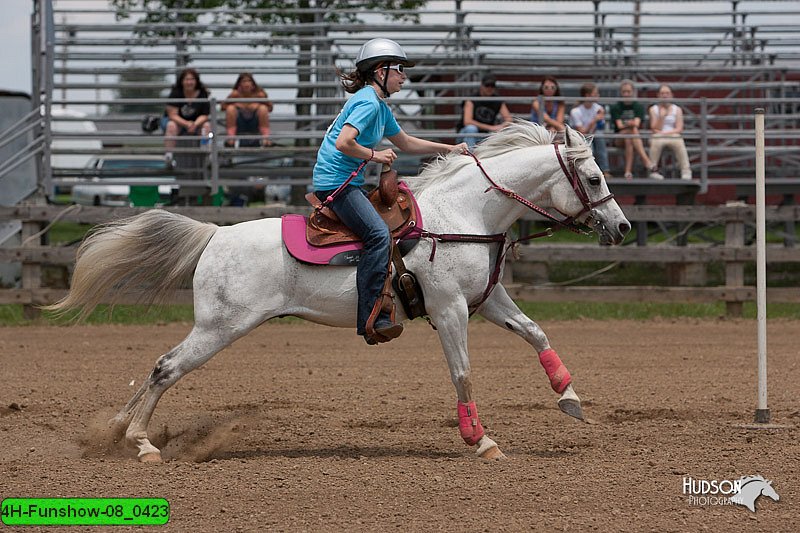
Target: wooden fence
[{"x": 686, "y": 261}]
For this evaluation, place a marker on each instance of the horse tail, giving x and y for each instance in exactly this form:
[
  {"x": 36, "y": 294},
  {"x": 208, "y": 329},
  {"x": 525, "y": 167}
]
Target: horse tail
[{"x": 147, "y": 256}]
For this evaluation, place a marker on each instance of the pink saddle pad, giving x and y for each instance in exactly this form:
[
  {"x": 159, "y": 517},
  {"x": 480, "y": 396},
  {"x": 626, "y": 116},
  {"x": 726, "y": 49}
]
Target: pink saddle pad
[{"x": 293, "y": 231}]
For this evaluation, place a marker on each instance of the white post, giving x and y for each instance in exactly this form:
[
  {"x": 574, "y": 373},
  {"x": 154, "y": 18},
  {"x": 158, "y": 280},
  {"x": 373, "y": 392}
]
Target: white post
[{"x": 762, "y": 411}]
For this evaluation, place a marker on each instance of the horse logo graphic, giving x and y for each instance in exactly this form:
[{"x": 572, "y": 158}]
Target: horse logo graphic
[{"x": 751, "y": 487}]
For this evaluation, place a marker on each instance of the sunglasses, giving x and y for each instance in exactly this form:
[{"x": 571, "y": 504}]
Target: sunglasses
[{"x": 398, "y": 68}]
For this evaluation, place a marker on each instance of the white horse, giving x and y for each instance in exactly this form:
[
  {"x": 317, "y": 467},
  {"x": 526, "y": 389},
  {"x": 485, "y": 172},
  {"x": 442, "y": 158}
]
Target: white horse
[{"x": 243, "y": 275}]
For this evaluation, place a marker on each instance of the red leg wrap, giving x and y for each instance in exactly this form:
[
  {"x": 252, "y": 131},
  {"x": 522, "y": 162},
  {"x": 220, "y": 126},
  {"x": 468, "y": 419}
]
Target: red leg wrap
[
  {"x": 469, "y": 424},
  {"x": 556, "y": 371}
]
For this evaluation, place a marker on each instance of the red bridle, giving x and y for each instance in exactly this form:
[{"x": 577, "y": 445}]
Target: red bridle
[
  {"x": 577, "y": 185},
  {"x": 569, "y": 222}
]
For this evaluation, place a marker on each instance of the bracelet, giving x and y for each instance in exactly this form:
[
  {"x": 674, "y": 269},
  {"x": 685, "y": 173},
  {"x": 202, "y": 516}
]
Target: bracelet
[{"x": 372, "y": 156}]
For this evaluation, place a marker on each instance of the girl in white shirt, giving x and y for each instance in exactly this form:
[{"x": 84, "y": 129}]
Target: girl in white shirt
[
  {"x": 666, "y": 123},
  {"x": 589, "y": 119}
]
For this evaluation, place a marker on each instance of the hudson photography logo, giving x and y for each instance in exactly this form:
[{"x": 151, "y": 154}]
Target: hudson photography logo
[{"x": 743, "y": 491}]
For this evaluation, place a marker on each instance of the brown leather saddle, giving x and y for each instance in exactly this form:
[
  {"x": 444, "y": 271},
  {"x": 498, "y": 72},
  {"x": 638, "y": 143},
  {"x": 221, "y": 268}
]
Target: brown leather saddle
[
  {"x": 398, "y": 208},
  {"x": 394, "y": 204}
]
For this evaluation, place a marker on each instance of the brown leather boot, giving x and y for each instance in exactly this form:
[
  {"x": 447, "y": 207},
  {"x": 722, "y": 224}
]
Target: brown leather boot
[{"x": 385, "y": 330}]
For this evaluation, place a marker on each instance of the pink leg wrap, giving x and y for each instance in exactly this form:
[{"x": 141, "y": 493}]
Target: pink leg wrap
[
  {"x": 556, "y": 371},
  {"x": 469, "y": 424}
]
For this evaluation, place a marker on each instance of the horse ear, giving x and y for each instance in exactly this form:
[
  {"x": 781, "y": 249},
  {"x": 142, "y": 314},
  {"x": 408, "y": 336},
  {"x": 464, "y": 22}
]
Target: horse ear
[{"x": 566, "y": 136}]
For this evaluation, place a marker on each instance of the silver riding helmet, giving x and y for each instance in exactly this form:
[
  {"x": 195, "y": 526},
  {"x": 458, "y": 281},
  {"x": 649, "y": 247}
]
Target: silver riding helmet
[{"x": 377, "y": 51}]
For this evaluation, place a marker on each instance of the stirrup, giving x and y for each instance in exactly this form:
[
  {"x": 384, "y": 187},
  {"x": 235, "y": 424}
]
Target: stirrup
[{"x": 384, "y": 334}]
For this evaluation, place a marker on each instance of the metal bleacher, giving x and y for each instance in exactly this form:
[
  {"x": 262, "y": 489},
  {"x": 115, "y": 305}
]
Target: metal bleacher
[{"x": 722, "y": 64}]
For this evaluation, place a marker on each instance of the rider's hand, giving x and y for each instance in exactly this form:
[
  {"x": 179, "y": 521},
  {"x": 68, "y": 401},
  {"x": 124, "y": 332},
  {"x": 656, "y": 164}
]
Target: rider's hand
[
  {"x": 386, "y": 157},
  {"x": 460, "y": 148}
]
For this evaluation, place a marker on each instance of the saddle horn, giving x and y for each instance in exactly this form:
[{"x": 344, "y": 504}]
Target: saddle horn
[{"x": 388, "y": 185}]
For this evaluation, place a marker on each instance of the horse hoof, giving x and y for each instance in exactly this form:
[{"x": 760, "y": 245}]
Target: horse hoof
[
  {"x": 572, "y": 408},
  {"x": 494, "y": 454},
  {"x": 152, "y": 457},
  {"x": 488, "y": 449}
]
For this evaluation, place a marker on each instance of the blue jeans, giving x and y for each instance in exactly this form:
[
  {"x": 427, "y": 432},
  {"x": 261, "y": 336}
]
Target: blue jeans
[
  {"x": 163, "y": 123},
  {"x": 354, "y": 209},
  {"x": 600, "y": 152},
  {"x": 471, "y": 141}
]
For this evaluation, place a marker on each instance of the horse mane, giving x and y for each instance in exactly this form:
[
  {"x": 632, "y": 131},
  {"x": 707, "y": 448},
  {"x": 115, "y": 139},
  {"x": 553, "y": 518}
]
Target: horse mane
[
  {"x": 749, "y": 479},
  {"x": 519, "y": 134}
]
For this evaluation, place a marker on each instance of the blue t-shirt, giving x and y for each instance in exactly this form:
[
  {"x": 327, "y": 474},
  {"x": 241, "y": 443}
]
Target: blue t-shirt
[{"x": 372, "y": 118}]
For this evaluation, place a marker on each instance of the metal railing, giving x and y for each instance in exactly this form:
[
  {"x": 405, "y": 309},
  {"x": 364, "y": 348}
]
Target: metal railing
[
  {"x": 712, "y": 146},
  {"x": 725, "y": 61}
]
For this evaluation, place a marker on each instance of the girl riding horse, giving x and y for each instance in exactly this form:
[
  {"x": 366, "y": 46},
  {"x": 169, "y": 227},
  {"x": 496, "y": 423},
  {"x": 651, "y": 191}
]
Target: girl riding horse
[{"x": 348, "y": 145}]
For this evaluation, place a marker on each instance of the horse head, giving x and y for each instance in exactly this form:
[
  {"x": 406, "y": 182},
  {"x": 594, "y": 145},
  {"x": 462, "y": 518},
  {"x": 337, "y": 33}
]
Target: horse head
[
  {"x": 584, "y": 195},
  {"x": 522, "y": 162},
  {"x": 768, "y": 491},
  {"x": 751, "y": 488}
]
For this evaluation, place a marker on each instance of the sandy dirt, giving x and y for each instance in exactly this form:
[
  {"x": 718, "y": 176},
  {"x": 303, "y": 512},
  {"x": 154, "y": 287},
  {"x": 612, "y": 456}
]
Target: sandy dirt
[{"x": 300, "y": 427}]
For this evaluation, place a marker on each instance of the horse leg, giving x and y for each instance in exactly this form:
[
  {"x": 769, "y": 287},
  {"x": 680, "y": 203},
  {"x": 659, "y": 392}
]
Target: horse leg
[
  {"x": 122, "y": 419},
  {"x": 451, "y": 324},
  {"x": 197, "y": 348},
  {"x": 500, "y": 309}
]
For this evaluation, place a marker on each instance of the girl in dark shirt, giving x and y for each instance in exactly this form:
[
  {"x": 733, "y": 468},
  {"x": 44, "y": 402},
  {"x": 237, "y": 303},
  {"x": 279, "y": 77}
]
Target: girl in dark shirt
[{"x": 189, "y": 116}]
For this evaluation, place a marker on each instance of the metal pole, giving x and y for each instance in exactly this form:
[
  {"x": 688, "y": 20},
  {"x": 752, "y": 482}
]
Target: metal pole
[
  {"x": 703, "y": 145},
  {"x": 64, "y": 64},
  {"x": 181, "y": 57},
  {"x": 45, "y": 90},
  {"x": 214, "y": 139},
  {"x": 637, "y": 15},
  {"x": 37, "y": 27},
  {"x": 762, "y": 411},
  {"x": 597, "y": 33}
]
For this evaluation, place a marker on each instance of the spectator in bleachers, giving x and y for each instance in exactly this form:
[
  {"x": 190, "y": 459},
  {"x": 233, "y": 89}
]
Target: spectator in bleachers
[
  {"x": 483, "y": 115},
  {"x": 189, "y": 116},
  {"x": 247, "y": 118},
  {"x": 553, "y": 115},
  {"x": 589, "y": 119},
  {"x": 628, "y": 117},
  {"x": 666, "y": 123}
]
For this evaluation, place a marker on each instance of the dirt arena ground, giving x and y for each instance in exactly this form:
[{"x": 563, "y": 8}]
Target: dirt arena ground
[{"x": 285, "y": 431}]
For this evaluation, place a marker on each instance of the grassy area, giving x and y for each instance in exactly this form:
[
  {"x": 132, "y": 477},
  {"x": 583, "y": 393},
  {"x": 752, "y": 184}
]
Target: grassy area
[
  {"x": 596, "y": 273},
  {"x": 67, "y": 232},
  {"x": 697, "y": 233},
  {"x": 646, "y": 311},
  {"x": 11, "y": 315},
  {"x": 780, "y": 275}
]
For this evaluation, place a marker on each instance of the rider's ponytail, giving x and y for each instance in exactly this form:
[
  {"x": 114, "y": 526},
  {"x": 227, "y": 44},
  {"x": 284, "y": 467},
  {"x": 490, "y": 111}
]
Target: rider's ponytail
[{"x": 354, "y": 80}]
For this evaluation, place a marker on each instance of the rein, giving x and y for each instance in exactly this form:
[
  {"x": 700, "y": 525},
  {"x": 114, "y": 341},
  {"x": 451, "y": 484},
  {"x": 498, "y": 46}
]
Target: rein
[
  {"x": 341, "y": 187},
  {"x": 569, "y": 222}
]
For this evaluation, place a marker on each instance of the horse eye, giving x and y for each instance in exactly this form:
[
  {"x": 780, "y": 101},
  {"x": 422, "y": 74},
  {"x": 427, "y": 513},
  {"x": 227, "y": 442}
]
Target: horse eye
[{"x": 594, "y": 180}]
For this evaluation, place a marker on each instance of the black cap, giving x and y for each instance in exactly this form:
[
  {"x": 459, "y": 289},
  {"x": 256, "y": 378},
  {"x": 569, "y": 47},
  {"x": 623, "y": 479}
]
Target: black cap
[{"x": 489, "y": 80}]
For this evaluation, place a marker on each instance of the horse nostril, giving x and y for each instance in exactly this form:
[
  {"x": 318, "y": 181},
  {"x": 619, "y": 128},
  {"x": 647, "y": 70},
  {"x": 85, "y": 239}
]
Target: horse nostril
[{"x": 624, "y": 228}]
